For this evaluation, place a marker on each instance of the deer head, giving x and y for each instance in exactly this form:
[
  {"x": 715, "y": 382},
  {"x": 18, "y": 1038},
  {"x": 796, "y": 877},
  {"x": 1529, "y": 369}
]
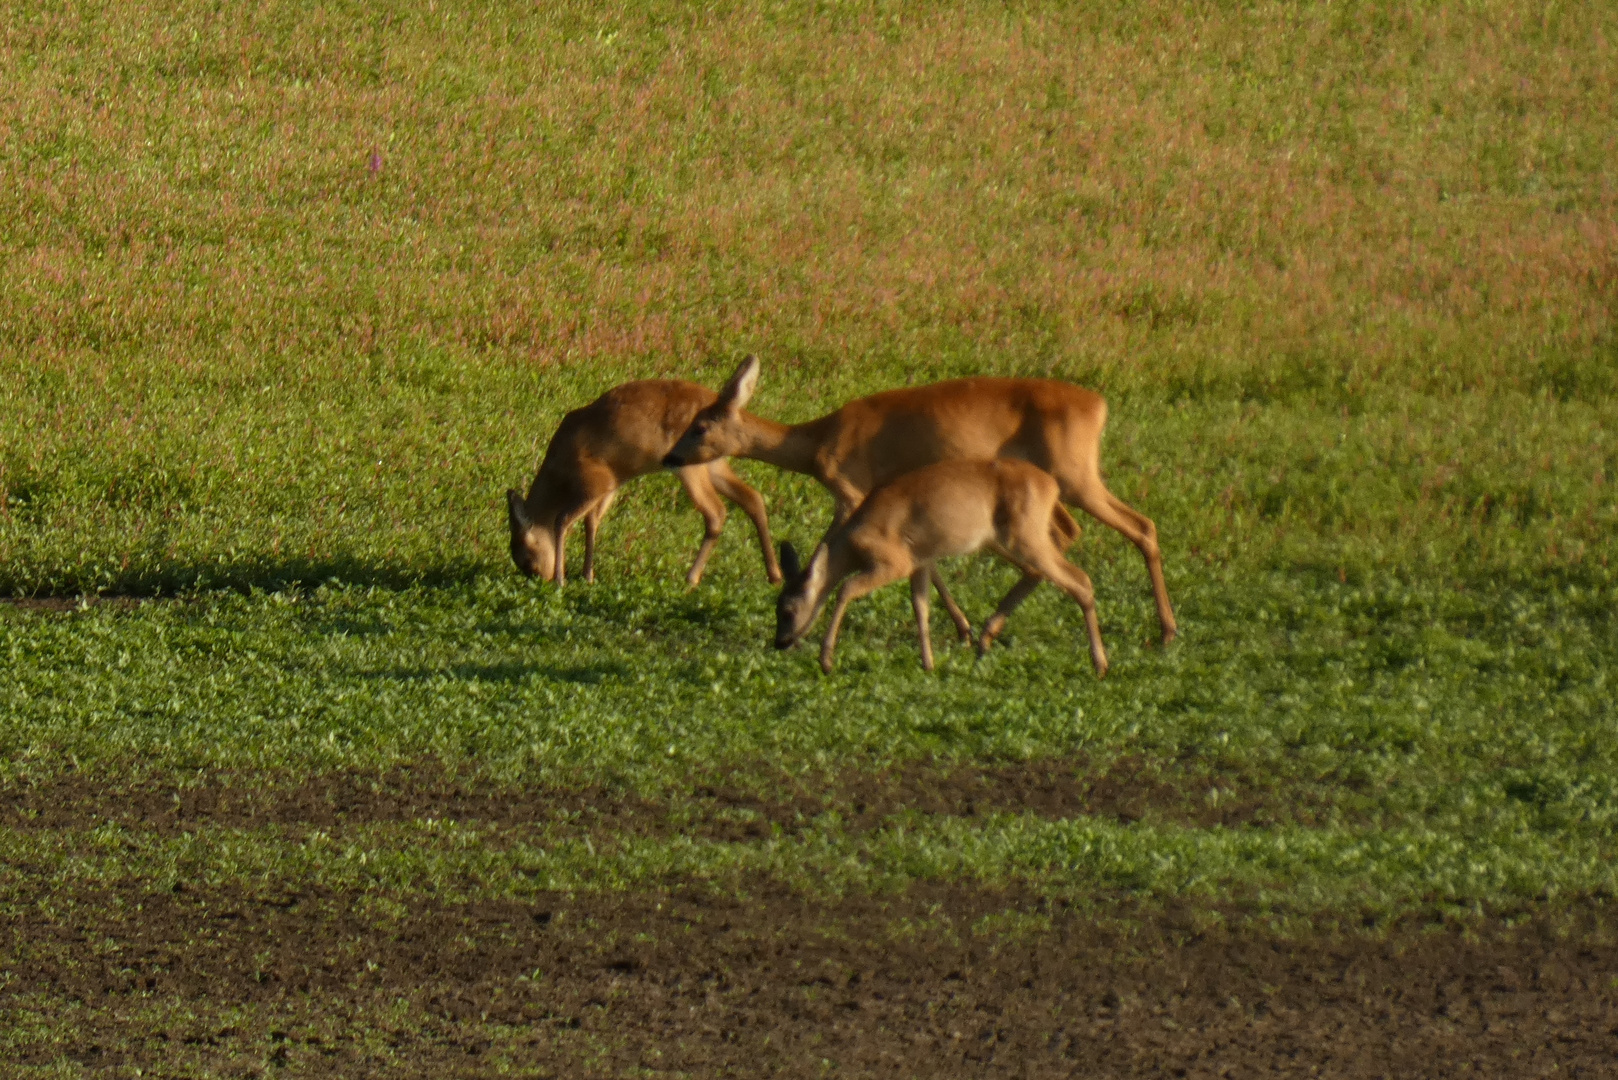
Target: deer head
[{"x": 533, "y": 549}]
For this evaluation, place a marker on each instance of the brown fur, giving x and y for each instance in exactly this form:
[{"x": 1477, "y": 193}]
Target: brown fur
[
  {"x": 624, "y": 433},
  {"x": 948, "y": 508},
  {"x": 868, "y": 442}
]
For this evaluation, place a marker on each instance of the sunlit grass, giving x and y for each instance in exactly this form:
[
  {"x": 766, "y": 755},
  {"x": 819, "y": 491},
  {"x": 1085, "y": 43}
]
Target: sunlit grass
[
  {"x": 1301, "y": 870},
  {"x": 289, "y": 295},
  {"x": 292, "y": 294}
]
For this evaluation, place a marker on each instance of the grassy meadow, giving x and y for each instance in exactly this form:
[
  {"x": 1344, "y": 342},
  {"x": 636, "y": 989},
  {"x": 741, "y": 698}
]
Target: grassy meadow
[{"x": 291, "y": 292}]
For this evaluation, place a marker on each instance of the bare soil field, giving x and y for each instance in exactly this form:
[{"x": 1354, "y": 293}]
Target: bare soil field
[
  {"x": 685, "y": 981},
  {"x": 1127, "y": 789},
  {"x": 941, "y": 979}
]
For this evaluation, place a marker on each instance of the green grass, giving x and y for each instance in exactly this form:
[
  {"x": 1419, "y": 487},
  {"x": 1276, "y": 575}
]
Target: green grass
[
  {"x": 1292, "y": 870},
  {"x": 1346, "y": 274},
  {"x": 1470, "y": 726}
]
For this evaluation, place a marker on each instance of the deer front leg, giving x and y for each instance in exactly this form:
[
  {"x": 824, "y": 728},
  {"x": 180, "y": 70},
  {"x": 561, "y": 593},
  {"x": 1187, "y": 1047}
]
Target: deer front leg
[
  {"x": 564, "y": 522},
  {"x": 591, "y": 521},
  {"x": 739, "y": 492},
  {"x": 594, "y": 491},
  {"x": 854, "y": 588},
  {"x": 700, "y": 487},
  {"x": 918, "y": 601},
  {"x": 558, "y": 539}
]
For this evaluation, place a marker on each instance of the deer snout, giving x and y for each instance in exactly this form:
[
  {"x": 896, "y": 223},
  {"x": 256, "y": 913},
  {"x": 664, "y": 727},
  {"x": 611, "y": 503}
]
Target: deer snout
[
  {"x": 527, "y": 562},
  {"x": 530, "y": 549},
  {"x": 787, "y": 635},
  {"x": 671, "y": 460}
]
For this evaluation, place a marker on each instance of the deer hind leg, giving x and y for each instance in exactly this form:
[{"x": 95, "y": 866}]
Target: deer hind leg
[
  {"x": 997, "y": 622},
  {"x": 1063, "y": 531},
  {"x": 1076, "y": 583},
  {"x": 699, "y": 486},
  {"x": 738, "y": 491},
  {"x": 854, "y": 588},
  {"x": 963, "y": 627},
  {"x": 1094, "y": 499}
]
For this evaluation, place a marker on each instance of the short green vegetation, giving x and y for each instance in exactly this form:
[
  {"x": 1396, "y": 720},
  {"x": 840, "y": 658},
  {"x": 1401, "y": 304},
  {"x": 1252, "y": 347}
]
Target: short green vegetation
[
  {"x": 1448, "y": 740},
  {"x": 290, "y": 294}
]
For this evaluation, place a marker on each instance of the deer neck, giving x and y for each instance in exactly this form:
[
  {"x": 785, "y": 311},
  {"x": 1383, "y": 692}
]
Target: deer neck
[
  {"x": 838, "y": 565},
  {"x": 544, "y": 504},
  {"x": 793, "y": 447}
]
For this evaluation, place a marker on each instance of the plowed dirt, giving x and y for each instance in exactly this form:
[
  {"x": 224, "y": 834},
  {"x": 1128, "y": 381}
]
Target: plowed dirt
[
  {"x": 1126, "y": 790},
  {"x": 939, "y": 982}
]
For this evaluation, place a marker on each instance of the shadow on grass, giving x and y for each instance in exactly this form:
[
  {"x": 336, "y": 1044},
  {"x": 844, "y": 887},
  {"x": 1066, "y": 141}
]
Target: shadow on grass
[
  {"x": 511, "y": 673},
  {"x": 241, "y": 574}
]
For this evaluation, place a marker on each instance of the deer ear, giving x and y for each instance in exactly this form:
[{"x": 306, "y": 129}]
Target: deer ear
[
  {"x": 517, "y": 512},
  {"x": 739, "y": 390},
  {"x": 790, "y": 566},
  {"x": 815, "y": 573}
]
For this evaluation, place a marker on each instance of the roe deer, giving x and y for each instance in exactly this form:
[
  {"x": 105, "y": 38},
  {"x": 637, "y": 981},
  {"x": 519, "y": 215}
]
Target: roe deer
[
  {"x": 622, "y": 434},
  {"x": 870, "y": 441},
  {"x": 951, "y": 508}
]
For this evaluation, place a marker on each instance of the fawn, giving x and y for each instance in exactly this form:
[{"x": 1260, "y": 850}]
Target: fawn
[{"x": 949, "y": 508}]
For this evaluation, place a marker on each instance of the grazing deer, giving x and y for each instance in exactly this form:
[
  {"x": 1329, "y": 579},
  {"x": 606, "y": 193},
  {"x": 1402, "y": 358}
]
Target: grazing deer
[
  {"x": 622, "y": 434},
  {"x": 870, "y": 441},
  {"x": 950, "y": 508}
]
